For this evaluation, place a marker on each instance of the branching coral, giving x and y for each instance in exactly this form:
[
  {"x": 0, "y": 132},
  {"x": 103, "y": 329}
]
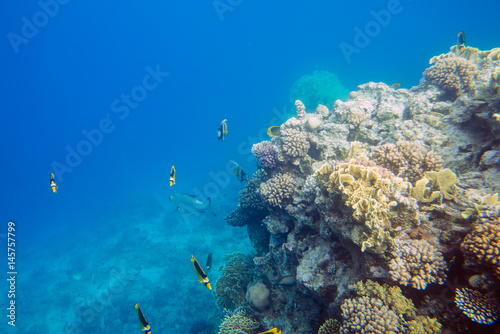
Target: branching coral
[
  {"x": 231, "y": 286},
  {"x": 453, "y": 74},
  {"x": 390, "y": 295},
  {"x": 417, "y": 263},
  {"x": 483, "y": 309},
  {"x": 481, "y": 247},
  {"x": 470, "y": 53},
  {"x": 250, "y": 199},
  {"x": 278, "y": 189},
  {"x": 294, "y": 143},
  {"x": 369, "y": 315},
  {"x": 365, "y": 192},
  {"x": 266, "y": 154},
  {"x": 424, "y": 325},
  {"x": 237, "y": 218},
  {"x": 331, "y": 326},
  {"x": 407, "y": 159},
  {"x": 238, "y": 322}
]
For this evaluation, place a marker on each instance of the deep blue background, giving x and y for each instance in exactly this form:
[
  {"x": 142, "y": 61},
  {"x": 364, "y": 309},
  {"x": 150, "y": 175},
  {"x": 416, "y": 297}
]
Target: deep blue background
[{"x": 65, "y": 78}]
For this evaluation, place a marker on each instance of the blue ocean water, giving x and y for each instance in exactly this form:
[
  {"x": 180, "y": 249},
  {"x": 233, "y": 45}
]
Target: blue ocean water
[{"x": 108, "y": 96}]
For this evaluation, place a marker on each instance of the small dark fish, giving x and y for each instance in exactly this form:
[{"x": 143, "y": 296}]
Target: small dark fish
[
  {"x": 273, "y": 131},
  {"x": 172, "y": 176},
  {"x": 209, "y": 261},
  {"x": 288, "y": 280},
  {"x": 222, "y": 130},
  {"x": 142, "y": 319},
  {"x": 461, "y": 38}
]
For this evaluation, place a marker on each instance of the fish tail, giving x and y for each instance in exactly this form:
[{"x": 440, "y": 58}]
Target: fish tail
[{"x": 209, "y": 207}]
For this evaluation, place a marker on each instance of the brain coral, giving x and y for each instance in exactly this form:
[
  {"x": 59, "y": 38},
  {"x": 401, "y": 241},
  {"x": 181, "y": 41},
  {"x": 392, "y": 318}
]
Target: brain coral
[
  {"x": 294, "y": 143},
  {"x": 481, "y": 247},
  {"x": 321, "y": 87},
  {"x": 407, "y": 159},
  {"x": 454, "y": 74},
  {"x": 277, "y": 189},
  {"x": 369, "y": 315},
  {"x": 417, "y": 263}
]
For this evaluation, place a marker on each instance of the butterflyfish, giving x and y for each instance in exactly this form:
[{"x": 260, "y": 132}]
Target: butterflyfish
[
  {"x": 273, "y": 131},
  {"x": 461, "y": 38},
  {"x": 239, "y": 172},
  {"x": 172, "y": 176},
  {"x": 222, "y": 130},
  {"x": 142, "y": 319},
  {"x": 261, "y": 169},
  {"x": 202, "y": 277},
  {"x": 396, "y": 85},
  {"x": 209, "y": 261},
  {"x": 272, "y": 331},
  {"x": 53, "y": 185}
]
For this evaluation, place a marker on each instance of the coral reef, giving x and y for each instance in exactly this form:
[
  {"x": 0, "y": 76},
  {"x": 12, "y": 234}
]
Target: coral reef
[
  {"x": 238, "y": 322},
  {"x": 369, "y": 315},
  {"x": 294, "y": 143},
  {"x": 278, "y": 189},
  {"x": 331, "y": 326},
  {"x": 481, "y": 247},
  {"x": 258, "y": 296},
  {"x": 454, "y": 74},
  {"x": 231, "y": 286},
  {"x": 417, "y": 263},
  {"x": 391, "y": 185},
  {"x": 483, "y": 309},
  {"x": 321, "y": 87},
  {"x": 407, "y": 160}
]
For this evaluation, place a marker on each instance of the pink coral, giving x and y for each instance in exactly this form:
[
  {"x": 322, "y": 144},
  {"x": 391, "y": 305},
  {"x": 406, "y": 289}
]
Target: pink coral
[{"x": 267, "y": 157}]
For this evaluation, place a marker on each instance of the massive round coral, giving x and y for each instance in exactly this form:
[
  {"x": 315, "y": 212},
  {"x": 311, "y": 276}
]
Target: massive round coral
[
  {"x": 454, "y": 74},
  {"x": 369, "y": 315},
  {"x": 417, "y": 263},
  {"x": 278, "y": 189},
  {"x": 294, "y": 143},
  {"x": 481, "y": 247}
]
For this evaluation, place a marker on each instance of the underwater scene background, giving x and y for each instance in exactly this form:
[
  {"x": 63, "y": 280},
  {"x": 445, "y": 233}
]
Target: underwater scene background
[{"x": 374, "y": 208}]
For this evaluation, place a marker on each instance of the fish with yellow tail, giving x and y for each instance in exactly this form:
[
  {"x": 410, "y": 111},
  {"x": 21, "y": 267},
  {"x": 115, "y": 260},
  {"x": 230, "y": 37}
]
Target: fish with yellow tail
[
  {"x": 53, "y": 185},
  {"x": 172, "y": 175},
  {"x": 142, "y": 319},
  {"x": 202, "y": 277},
  {"x": 222, "y": 130},
  {"x": 272, "y": 331}
]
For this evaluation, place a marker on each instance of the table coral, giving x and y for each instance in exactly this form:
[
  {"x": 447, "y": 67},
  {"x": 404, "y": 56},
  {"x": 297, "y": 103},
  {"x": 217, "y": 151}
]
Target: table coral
[
  {"x": 417, "y": 263},
  {"x": 483, "y": 309},
  {"x": 277, "y": 189},
  {"x": 369, "y": 315},
  {"x": 294, "y": 143},
  {"x": 481, "y": 247},
  {"x": 453, "y": 74}
]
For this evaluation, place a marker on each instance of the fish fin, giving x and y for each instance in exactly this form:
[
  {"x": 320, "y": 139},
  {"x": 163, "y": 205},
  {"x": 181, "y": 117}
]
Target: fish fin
[
  {"x": 193, "y": 196},
  {"x": 209, "y": 207}
]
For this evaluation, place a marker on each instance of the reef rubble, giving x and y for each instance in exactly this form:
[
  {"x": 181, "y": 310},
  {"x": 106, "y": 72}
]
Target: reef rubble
[{"x": 393, "y": 186}]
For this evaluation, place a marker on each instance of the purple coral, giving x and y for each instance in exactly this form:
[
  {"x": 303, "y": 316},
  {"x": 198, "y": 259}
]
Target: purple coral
[{"x": 267, "y": 157}]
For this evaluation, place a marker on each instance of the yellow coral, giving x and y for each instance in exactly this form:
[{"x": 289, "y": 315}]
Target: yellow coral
[
  {"x": 331, "y": 326},
  {"x": 365, "y": 192},
  {"x": 238, "y": 322},
  {"x": 481, "y": 247},
  {"x": 424, "y": 325}
]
